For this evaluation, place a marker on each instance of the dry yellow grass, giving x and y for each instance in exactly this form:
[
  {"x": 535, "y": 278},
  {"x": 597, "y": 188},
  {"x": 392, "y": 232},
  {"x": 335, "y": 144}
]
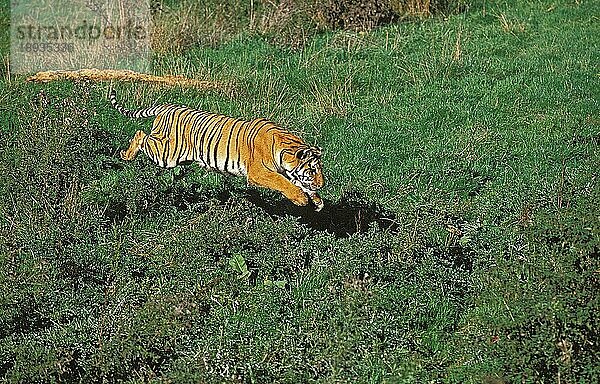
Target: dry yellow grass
[
  {"x": 94, "y": 74},
  {"x": 419, "y": 8}
]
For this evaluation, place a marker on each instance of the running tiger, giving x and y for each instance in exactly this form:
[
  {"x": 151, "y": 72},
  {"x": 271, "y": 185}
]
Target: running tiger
[{"x": 266, "y": 154}]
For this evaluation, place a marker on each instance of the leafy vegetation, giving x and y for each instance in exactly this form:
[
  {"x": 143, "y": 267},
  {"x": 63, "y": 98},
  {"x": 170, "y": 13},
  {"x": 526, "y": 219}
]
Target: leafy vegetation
[{"x": 459, "y": 243}]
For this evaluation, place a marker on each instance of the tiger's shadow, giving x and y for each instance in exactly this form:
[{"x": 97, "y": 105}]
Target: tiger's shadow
[{"x": 350, "y": 215}]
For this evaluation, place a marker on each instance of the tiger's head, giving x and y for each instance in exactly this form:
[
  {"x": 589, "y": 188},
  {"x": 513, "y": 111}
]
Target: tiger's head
[{"x": 305, "y": 170}]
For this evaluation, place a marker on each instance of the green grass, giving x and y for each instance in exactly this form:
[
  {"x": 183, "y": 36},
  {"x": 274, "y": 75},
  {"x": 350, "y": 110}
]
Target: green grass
[{"x": 460, "y": 241}]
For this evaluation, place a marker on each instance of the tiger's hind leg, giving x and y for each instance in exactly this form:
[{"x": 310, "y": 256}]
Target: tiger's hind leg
[{"x": 134, "y": 146}]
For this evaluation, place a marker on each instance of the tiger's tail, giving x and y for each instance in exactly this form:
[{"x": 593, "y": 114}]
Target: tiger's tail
[{"x": 146, "y": 112}]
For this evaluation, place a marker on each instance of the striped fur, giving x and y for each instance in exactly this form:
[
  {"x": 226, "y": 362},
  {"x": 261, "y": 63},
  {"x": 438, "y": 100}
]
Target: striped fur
[{"x": 269, "y": 156}]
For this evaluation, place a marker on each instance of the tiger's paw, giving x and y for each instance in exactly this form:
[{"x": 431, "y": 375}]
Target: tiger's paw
[
  {"x": 124, "y": 155},
  {"x": 319, "y": 206},
  {"x": 317, "y": 201},
  {"x": 299, "y": 199}
]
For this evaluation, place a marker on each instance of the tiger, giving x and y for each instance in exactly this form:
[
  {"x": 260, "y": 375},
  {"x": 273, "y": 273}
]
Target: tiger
[{"x": 267, "y": 155}]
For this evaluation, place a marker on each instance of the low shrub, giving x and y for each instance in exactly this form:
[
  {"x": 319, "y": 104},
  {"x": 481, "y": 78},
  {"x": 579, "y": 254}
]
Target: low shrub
[{"x": 185, "y": 24}]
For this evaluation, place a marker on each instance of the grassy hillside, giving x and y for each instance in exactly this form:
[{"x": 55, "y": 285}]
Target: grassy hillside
[{"x": 460, "y": 241}]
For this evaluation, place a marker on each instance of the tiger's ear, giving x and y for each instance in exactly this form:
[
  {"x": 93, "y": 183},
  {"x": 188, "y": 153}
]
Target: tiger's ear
[{"x": 316, "y": 151}]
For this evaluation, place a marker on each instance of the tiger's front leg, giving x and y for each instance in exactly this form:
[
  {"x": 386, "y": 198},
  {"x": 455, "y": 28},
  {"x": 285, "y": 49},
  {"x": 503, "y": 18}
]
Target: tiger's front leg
[{"x": 275, "y": 181}]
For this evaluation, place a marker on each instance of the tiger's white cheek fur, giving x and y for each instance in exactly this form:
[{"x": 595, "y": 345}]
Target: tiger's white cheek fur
[{"x": 302, "y": 187}]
